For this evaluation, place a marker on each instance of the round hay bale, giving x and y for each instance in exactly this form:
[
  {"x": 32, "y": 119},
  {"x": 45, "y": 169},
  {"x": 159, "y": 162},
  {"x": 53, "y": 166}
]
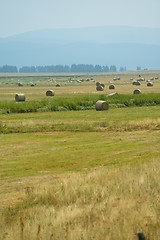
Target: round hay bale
[
  {"x": 140, "y": 79},
  {"x": 136, "y": 83},
  {"x": 20, "y": 97},
  {"x": 101, "y": 105},
  {"x": 98, "y": 83},
  {"x": 112, "y": 86},
  {"x": 116, "y": 78},
  {"x": 50, "y": 93},
  {"x": 99, "y": 88},
  {"x": 112, "y": 94},
  {"x": 57, "y": 85},
  {"x": 149, "y": 84},
  {"x": 137, "y": 91},
  {"x": 20, "y": 84},
  {"x": 102, "y": 84}
]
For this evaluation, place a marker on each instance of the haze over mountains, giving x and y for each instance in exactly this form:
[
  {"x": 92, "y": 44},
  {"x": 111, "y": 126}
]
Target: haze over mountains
[{"x": 120, "y": 46}]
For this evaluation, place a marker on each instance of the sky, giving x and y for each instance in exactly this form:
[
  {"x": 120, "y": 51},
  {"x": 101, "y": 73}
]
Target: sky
[{"x": 18, "y": 16}]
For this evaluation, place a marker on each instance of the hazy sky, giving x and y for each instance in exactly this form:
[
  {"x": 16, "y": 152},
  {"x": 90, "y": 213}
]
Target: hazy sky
[{"x": 17, "y": 16}]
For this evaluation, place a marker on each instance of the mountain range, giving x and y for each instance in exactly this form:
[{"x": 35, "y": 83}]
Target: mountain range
[{"x": 107, "y": 45}]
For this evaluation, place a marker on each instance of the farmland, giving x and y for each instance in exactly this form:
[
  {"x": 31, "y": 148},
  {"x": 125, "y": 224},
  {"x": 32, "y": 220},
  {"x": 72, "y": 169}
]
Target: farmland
[
  {"x": 71, "y": 84},
  {"x": 71, "y": 172}
]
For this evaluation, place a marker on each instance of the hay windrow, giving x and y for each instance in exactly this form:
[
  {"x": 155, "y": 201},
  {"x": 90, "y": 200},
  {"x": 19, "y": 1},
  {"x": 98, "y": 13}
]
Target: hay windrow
[{"x": 25, "y": 126}]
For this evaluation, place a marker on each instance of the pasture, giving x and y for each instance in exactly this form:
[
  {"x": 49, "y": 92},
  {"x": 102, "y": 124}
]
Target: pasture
[{"x": 83, "y": 174}]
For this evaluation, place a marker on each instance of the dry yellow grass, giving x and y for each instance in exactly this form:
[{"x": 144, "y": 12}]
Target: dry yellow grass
[{"x": 113, "y": 203}]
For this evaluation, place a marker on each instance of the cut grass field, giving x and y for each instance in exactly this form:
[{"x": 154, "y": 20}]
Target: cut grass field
[
  {"x": 79, "y": 175},
  {"x": 52, "y": 153}
]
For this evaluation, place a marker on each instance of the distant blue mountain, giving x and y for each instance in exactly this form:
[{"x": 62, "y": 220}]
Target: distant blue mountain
[{"x": 121, "y": 46}]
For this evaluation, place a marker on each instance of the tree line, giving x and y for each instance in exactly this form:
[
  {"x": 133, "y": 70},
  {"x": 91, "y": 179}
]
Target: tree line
[{"x": 74, "y": 68}]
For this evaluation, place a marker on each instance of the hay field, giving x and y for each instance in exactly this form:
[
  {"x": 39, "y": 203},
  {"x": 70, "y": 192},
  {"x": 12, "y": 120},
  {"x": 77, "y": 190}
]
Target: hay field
[
  {"x": 71, "y": 85},
  {"x": 79, "y": 174}
]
